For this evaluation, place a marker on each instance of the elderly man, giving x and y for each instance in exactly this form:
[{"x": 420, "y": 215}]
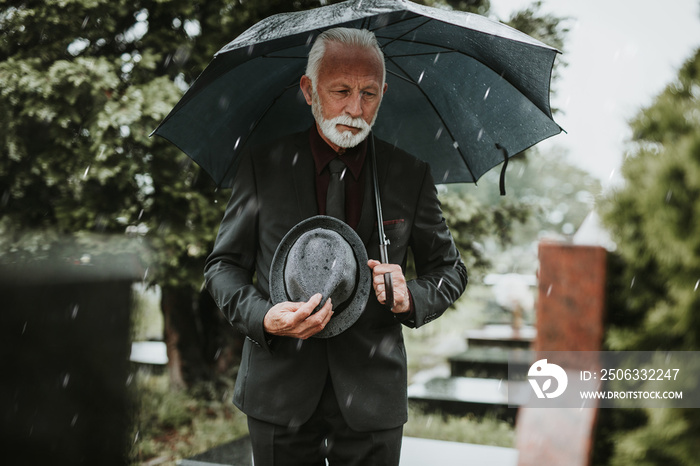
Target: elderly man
[{"x": 341, "y": 398}]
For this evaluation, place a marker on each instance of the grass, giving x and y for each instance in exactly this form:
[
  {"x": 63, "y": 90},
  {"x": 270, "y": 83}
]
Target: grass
[
  {"x": 467, "y": 429},
  {"x": 171, "y": 425},
  {"x": 174, "y": 424}
]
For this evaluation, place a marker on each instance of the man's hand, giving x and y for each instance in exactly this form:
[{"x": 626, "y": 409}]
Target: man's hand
[
  {"x": 290, "y": 319},
  {"x": 402, "y": 301}
]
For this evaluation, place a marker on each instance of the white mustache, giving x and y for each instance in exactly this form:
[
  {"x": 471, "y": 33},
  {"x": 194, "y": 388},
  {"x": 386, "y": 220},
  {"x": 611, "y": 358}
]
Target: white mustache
[{"x": 347, "y": 120}]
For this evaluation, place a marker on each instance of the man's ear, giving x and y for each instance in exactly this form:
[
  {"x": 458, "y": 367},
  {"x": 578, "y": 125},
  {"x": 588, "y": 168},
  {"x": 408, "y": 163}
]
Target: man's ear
[
  {"x": 307, "y": 88},
  {"x": 386, "y": 86}
]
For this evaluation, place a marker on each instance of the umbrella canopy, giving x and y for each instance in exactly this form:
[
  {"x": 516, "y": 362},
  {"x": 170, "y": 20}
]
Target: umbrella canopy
[{"x": 463, "y": 90}]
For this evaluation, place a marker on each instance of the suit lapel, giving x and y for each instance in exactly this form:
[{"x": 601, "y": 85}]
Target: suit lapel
[
  {"x": 303, "y": 175},
  {"x": 367, "y": 216}
]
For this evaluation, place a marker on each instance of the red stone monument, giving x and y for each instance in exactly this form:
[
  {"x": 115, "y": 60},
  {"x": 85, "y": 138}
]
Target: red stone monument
[{"x": 570, "y": 313}]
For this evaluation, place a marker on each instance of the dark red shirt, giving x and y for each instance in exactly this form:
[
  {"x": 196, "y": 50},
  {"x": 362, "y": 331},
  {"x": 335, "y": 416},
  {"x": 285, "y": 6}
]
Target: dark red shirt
[{"x": 354, "y": 158}]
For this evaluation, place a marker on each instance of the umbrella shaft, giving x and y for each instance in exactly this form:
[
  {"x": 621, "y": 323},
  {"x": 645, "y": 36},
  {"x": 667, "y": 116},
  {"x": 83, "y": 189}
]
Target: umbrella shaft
[{"x": 383, "y": 253}]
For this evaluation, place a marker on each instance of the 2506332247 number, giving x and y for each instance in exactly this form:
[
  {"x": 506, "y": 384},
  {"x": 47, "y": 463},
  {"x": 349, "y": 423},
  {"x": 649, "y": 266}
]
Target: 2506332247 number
[{"x": 639, "y": 374}]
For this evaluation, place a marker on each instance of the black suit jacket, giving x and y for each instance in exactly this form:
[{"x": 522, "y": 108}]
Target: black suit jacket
[{"x": 281, "y": 379}]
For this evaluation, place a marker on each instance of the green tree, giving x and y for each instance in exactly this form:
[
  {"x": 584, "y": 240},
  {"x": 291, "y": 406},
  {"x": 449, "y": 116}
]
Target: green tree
[
  {"x": 82, "y": 85},
  {"x": 655, "y": 219}
]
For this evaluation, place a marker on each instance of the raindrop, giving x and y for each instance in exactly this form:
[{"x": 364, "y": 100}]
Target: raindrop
[
  {"x": 697, "y": 283},
  {"x": 309, "y": 39},
  {"x": 223, "y": 102},
  {"x": 632, "y": 283},
  {"x": 373, "y": 351},
  {"x": 136, "y": 436},
  {"x": 250, "y": 49},
  {"x": 218, "y": 353},
  {"x": 439, "y": 284},
  {"x": 24, "y": 328},
  {"x": 437, "y": 55},
  {"x": 140, "y": 214},
  {"x": 75, "y": 419},
  {"x": 85, "y": 21},
  {"x": 86, "y": 171},
  {"x": 333, "y": 264},
  {"x": 66, "y": 379},
  {"x": 481, "y": 133},
  {"x": 145, "y": 274},
  {"x": 299, "y": 343},
  {"x": 549, "y": 290},
  {"x": 348, "y": 402},
  {"x": 420, "y": 78},
  {"x": 235, "y": 146},
  {"x": 129, "y": 379},
  {"x": 180, "y": 57},
  {"x": 192, "y": 28},
  {"x": 342, "y": 175},
  {"x": 487, "y": 93},
  {"x": 74, "y": 313},
  {"x": 444, "y": 178},
  {"x": 294, "y": 160},
  {"x": 438, "y": 134},
  {"x": 669, "y": 195}
]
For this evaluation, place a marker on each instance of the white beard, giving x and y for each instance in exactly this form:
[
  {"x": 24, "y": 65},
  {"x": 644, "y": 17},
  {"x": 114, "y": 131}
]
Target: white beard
[{"x": 344, "y": 139}]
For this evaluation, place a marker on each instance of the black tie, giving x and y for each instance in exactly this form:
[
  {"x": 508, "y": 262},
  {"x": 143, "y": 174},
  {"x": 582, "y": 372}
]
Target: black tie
[{"x": 335, "y": 198}]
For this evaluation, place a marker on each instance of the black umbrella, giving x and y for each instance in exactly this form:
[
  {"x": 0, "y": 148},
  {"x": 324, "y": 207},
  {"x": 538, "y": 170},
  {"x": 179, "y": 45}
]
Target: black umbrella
[{"x": 465, "y": 92}]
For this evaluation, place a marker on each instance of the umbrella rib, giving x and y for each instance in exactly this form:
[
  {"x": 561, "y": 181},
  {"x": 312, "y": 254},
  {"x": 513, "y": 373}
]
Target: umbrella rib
[
  {"x": 444, "y": 123},
  {"x": 408, "y": 32},
  {"x": 368, "y": 22}
]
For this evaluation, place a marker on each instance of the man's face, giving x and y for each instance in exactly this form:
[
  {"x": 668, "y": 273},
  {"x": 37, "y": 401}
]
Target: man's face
[{"x": 347, "y": 95}]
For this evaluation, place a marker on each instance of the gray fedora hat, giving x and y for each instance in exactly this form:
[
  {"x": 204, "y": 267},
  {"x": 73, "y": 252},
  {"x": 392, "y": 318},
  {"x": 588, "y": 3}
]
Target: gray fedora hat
[{"x": 323, "y": 255}]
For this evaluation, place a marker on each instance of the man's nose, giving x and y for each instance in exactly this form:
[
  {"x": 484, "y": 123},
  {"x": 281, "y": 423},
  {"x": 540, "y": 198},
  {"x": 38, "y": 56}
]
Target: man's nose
[{"x": 354, "y": 105}]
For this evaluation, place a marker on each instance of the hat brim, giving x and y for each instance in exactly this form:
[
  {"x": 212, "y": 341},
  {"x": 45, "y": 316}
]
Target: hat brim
[{"x": 356, "y": 303}]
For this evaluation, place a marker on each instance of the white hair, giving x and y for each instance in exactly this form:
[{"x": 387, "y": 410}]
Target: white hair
[{"x": 347, "y": 36}]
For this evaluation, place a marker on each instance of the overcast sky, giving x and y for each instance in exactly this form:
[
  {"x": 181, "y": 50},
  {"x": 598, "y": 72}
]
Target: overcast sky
[{"x": 620, "y": 54}]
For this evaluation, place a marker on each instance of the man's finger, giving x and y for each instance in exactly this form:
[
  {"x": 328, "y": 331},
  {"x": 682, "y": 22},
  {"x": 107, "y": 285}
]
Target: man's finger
[
  {"x": 322, "y": 316},
  {"x": 373, "y": 263},
  {"x": 307, "y": 308},
  {"x": 316, "y": 322}
]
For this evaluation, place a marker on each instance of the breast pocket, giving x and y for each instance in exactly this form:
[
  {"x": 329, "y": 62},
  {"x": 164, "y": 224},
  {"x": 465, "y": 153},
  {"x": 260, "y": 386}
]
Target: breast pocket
[{"x": 397, "y": 232}]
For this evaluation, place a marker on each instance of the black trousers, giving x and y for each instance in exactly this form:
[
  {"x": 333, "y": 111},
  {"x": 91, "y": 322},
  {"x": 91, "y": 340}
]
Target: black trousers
[{"x": 325, "y": 436}]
